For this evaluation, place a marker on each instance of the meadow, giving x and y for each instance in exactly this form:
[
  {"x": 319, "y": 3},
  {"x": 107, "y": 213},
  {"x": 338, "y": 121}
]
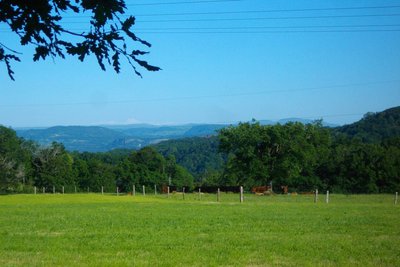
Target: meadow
[{"x": 281, "y": 230}]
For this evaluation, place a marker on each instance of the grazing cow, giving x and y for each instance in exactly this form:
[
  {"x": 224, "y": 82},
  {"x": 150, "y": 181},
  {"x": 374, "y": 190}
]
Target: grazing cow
[
  {"x": 307, "y": 193},
  {"x": 284, "y": 189},
  {"x": 261, "y": 189},
  {"x": 164, "y": 189},
  {"x": 172, "y": 188}
]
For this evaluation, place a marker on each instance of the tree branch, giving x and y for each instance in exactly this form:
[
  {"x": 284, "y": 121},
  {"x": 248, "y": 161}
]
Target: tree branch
[{"x": 38, "y": 24}]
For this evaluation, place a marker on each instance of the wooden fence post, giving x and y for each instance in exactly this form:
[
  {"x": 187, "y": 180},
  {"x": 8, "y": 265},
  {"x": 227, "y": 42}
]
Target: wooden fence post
[
  {"x": 102, "y": 190},
  {"x": 218, "y": 195},
  {"x": 133, "y": 190},
  {"x": 396, "y": 198},
  {"x": 183, "y": 193},
  {"x": 117, "y": 191},
  {"x": 144, "y": 191},
  {"x": 241, "y": 194},
  {"x": 75, "y": 189},
  {"x": 155, "y": 190},
  {"x": 327, "y": 196},
  {"x": 63, "y": 190},
  {"x": 54, "y": 190},
  {"x": 44, "y": 190},
  {"x": 316, "y": 196},
  {"x": 199, "y": 193},
  {"x": 167, "y": 191}
]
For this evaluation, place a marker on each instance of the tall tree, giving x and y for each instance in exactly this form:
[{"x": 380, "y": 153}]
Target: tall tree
[
  {"x": 15, "y": 162},
  {"x": 287, "y": 154},
  {"x": 53, "y": 167},
  {"x": 250, "y": 150}
]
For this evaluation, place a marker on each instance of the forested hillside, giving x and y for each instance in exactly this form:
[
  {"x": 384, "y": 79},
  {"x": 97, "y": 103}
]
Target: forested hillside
[
  {"x": 374, "y": 127},
  {"x": 199, "y": 155}
]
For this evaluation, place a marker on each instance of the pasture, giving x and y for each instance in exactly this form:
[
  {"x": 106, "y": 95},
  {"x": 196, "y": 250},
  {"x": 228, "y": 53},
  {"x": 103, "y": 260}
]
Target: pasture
[{"x": 281, "y": 230}]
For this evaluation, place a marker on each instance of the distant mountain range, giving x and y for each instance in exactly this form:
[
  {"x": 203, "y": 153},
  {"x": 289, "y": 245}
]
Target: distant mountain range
[
  {"x": 105, "y": 138},
  {"x": 108, "y": 137}
]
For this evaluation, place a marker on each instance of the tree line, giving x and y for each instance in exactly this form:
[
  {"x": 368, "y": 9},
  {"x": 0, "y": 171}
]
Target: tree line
[
  {"x": 300, "y": 156},
  {"x": 24, "y": 164}
]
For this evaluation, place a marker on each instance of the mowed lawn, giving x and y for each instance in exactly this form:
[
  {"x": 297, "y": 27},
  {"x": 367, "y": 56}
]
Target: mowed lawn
[{"x": 110, "y": 230}]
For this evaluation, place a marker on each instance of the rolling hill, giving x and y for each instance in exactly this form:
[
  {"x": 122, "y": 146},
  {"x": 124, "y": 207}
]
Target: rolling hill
[
  {"x": 374, "y": 127},
  {"x": 109, "y": 137},
  {"x": 81, "y": 138},
  {"x": 105, "y": 138}
]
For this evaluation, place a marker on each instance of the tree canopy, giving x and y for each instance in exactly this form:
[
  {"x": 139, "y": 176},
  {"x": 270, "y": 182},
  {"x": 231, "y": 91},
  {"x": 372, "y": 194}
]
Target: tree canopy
[
  {"x": 286, "y": 154},
  {"x": 39, "y": 23},
  {"x": 305, "y": 157}
]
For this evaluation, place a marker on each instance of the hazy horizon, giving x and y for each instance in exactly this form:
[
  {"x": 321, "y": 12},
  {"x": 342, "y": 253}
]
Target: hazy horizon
[{"x": 174, "y": 124}]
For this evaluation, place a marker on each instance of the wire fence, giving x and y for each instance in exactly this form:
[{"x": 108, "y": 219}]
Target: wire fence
[{"x": 220, "y": 195}]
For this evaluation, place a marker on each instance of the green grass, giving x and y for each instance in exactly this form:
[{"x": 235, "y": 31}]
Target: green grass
[{"x": 97, "y": 230}]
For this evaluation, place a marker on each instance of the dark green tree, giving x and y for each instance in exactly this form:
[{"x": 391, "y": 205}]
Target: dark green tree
[
  {"x": 389, "y": 169},
  {"x": 178, "y": 175},
  {"x": 53, "y": 167},
  {"x": 15, "y": 161},
  {"x": 125, "y": 175},
  {"x": 81, "y": 173},
  {"x": 285, "y": 154},
  {"x": 248, "y": 145},
  {"x": 100, "y": 175},
  {"x": 148, "y": 167}
]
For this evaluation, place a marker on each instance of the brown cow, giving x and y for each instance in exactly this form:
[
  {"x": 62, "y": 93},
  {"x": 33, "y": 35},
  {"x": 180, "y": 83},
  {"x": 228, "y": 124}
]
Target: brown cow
[
  {"x": 261, "y": 189},
  {"x": 284, "y": 189},
  {"x": 307, "y": 193},
  {"x": 164, "y": 189}
]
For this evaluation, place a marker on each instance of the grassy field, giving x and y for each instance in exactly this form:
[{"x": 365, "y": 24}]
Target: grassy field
[{"x": 108, "y": 230}]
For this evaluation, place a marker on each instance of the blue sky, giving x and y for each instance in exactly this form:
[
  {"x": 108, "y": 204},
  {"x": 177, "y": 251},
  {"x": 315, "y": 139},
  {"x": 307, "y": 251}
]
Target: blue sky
[{"x": 283, "y": 61}]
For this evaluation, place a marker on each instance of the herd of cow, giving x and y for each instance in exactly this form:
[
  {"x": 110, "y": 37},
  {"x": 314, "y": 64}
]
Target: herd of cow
[
  {"x": 259, "y": 190},
  {"x": 267, "y": 189}
]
